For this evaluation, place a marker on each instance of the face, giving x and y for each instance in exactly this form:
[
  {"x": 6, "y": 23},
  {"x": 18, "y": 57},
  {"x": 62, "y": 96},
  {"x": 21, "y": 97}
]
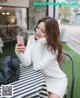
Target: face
[{"x": 40, "y": 31}]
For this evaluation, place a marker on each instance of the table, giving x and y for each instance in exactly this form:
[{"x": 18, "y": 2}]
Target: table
[{"x": 31, "y": 84}]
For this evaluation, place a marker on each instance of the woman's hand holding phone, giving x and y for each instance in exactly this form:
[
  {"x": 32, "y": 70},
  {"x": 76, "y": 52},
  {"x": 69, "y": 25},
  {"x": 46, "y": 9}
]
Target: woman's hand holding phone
[
  {"x": 20, "y": 40},
  {"x": 20, "y": 47}
]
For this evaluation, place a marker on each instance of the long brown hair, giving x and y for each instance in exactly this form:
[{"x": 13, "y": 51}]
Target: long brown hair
[{"x": 53, "y": 35}]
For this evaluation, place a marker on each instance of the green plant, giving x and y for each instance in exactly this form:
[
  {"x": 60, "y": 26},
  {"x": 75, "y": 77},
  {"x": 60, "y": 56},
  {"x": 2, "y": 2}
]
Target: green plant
[
  {"x": 64, "y": 20},
  {"x": 76, "y": 59},
  {"x": 7, "y": 52}
]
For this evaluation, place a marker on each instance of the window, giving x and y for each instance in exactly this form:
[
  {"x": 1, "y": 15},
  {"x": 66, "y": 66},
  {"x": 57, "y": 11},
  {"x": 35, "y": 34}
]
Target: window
[
  {"x": 35, "y": 13},
  {"x": 12, "y": 22}
]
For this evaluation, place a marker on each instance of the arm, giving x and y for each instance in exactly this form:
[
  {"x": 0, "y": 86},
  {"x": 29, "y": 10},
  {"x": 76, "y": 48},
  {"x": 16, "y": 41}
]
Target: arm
[
  {"x": 25, "y": 57},
  {"x": 40, "y": 60}
]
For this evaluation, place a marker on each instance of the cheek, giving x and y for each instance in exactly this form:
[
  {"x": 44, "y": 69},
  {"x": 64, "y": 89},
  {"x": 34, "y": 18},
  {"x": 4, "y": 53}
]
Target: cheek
[{"x": 44, "y": 35}]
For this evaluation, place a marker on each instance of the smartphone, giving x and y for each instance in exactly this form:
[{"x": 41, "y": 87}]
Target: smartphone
[{"x": 20, "y": 39}]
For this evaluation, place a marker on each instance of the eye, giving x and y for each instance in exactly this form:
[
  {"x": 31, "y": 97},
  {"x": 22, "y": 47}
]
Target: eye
[
  {"x": 43, "y": 31},
  {"x": 40, "y": 29}
]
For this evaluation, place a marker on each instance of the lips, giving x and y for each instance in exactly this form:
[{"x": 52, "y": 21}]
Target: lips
[{"x": 38, "y": 36}]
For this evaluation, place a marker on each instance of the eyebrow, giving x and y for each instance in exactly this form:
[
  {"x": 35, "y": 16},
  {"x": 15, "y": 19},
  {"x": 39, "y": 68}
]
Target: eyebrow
[{"x": 42, "y": 29}]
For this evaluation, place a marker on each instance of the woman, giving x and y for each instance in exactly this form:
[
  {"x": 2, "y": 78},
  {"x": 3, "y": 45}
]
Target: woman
[{"x": 44, "y": 50}]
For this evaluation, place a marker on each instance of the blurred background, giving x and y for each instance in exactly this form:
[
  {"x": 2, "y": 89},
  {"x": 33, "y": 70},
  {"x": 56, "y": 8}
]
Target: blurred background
[{"x": 20, "y": 17}]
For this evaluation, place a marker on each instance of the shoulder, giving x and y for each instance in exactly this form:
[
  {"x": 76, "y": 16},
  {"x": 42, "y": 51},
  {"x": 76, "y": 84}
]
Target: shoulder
[{"x": 31, "y": 38}]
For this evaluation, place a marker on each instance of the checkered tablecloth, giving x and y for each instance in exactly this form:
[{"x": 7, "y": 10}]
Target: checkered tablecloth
[{"x": 30, "y": 85}]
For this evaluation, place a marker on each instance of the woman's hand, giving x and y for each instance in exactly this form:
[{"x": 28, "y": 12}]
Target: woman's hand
[{"x": 20, "y": 48}]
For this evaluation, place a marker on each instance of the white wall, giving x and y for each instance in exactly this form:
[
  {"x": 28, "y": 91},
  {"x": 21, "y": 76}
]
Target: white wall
[
  {"x": 20, "y": 3},
  {"x": 51, "y": 12},
  {"x": 50, "y": 9}
]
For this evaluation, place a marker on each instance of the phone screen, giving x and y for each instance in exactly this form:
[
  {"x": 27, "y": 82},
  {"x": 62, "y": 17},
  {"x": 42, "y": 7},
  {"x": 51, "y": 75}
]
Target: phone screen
[{"x": 20, "y": 39}]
